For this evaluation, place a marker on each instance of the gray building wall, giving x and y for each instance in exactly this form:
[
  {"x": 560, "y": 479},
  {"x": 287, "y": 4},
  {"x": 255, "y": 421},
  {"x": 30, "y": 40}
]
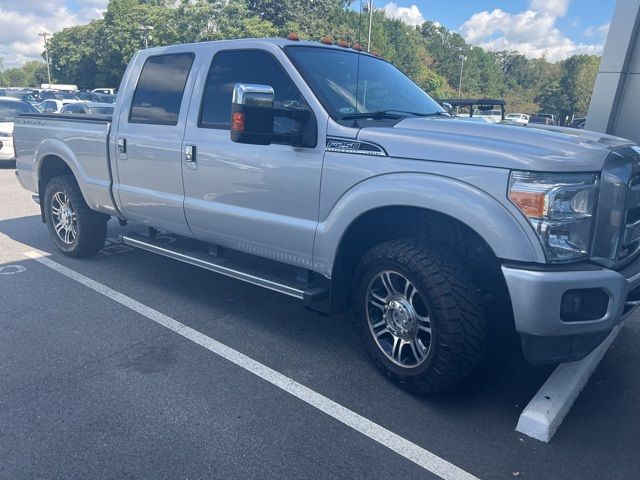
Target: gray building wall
[{"x": 615, "y": 104}]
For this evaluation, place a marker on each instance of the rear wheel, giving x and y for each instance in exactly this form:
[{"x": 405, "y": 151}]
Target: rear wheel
[
  {"x": 76, "y": 230},
  {"x": 419, "y": 315}
]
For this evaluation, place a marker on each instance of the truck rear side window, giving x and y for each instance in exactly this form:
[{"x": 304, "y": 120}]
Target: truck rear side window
[
  {"x": 245, "y": 66},
  {"x": 159, "y": 92}
]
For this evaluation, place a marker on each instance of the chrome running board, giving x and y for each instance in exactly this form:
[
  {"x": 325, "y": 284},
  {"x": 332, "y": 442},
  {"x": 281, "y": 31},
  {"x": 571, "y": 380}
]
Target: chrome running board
[{"x": 247, "y": 268}]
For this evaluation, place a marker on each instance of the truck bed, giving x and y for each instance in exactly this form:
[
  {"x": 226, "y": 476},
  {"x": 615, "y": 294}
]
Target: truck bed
[{"x": 81, "y": 140}]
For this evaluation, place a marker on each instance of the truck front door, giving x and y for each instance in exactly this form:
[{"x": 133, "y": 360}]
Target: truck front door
[
  {"x": 257, "y": 199},
  {"x": 149, "y": 141}
]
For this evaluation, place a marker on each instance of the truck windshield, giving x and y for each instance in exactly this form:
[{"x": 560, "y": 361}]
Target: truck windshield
[{"x": 350, "y": 83}]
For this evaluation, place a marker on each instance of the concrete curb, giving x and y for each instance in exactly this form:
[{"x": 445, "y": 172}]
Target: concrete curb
[{"x": 548, "y": 408}]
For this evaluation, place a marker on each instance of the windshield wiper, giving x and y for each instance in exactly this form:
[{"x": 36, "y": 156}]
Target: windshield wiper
[{"x": 388, "y": 114}]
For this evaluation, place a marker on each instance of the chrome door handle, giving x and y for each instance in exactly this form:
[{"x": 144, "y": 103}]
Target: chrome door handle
[
  {"x": 190, "y": 153},
  {"x": 190, "y": 157},
  {"x": 122, "y": 148}
]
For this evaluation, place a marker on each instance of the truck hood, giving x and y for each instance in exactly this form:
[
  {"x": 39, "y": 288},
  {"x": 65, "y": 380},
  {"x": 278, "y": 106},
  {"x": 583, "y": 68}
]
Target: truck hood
[{"x": 454, "y": 140}]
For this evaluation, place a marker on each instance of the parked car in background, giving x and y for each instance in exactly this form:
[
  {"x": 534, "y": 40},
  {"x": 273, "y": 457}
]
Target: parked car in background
[
  {"x": 106, "y": 98},
  {"x": 54, "y": 105},
  {"x": 542, "y": 119},
  {"x": 59, "y": 95},
  {"x": 577, "y": 123},
  {"x": 20, "y": 94},
  {"x": 59, "y": 86},
  {"x": 9, "y": 108},
  {"x": 88, "y": 108},
  {"x": 520, "y": 118},
  {"x": 108, "y": 91},
  {"x": 88, "y": 97},
  {"x": 493, "y": 115}
]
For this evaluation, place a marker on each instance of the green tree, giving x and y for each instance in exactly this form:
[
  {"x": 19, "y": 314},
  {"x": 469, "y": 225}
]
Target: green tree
[
  {"x": 568, "y": 91},
  {"x": 31, "y": 74},
  {"x": 73, "y": 53}
]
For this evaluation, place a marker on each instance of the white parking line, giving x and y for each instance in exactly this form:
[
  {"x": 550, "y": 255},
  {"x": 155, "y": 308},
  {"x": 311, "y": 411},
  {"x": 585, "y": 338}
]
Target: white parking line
[{"x": 387, "y": 438}]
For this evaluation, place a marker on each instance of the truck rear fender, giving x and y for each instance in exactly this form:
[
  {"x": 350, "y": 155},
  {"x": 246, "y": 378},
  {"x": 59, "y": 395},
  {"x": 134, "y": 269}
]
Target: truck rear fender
[{"x": 53, "y": 156}]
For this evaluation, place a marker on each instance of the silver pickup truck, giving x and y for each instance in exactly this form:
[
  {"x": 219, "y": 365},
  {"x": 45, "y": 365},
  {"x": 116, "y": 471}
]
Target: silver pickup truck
[{"x": 324, "y": 173}]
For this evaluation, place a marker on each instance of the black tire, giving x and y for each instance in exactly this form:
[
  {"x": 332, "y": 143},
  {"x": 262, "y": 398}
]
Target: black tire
[
  {"x": 90, "y": 226},
  {"x": 458, "y": 326}
]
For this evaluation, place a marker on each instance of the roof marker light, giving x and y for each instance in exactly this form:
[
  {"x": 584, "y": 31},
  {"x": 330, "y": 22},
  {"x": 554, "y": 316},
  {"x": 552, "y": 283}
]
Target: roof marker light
[
  {"x": 293, "y": 36},
  {"x": 343, "y": 43},
  {"x": 327, "y": 40}
]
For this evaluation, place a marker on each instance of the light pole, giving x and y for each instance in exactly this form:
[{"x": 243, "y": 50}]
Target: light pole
[
  {"x": 369, "y": 6},
  {"x": 462, "y": 59},
  {"x": 46, "y": 54},
  {"x": 145, "y": 34}
]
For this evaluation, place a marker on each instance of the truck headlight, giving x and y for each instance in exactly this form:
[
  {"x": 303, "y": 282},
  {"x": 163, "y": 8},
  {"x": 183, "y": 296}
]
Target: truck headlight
[{"x": 560, "y": 208}]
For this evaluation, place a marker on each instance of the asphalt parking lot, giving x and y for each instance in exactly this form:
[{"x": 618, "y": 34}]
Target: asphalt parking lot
[{"x": 90, "y": 388}]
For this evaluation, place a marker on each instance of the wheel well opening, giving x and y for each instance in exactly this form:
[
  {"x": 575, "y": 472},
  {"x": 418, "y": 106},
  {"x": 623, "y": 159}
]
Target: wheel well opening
[
  {"x": 390, "y": 223},
  {"x": 50, "y": 167}
]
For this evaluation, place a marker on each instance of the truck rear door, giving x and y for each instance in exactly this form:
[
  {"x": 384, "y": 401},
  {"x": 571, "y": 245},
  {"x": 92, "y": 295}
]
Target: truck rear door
[
  {"x": 149, "y": 140},
  {"x": 255, "y": 198}
]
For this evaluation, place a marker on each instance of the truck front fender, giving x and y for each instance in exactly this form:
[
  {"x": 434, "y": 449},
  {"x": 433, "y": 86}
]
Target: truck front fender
[{"x": 507, "y": 235}]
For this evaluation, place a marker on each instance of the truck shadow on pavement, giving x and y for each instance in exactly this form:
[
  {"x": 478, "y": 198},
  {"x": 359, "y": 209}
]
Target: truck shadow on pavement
[{"x": 278, "y": 331}]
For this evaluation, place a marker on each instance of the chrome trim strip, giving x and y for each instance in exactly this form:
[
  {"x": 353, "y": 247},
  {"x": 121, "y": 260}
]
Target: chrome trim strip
[{"x": 136, "y": 241}]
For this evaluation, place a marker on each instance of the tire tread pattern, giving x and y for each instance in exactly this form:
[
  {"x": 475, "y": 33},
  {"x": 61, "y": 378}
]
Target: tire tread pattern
[
  {"x": 91, "y": 225},
  {"x": 459, "y": 343}
]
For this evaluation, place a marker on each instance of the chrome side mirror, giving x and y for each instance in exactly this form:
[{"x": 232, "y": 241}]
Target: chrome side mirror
[{"x": 253, "y": 95}]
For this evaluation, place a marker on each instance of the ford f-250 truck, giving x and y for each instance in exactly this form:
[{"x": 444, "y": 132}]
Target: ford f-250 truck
[{"x": 324, "y": 173}]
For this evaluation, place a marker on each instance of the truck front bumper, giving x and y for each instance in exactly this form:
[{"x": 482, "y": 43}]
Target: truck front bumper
[{"x": 562, "y": 315}]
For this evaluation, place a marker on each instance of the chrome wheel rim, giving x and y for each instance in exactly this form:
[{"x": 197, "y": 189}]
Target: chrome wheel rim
[
  {"x": 398, "y": 319},
  {"x": 64, "y": 218}
]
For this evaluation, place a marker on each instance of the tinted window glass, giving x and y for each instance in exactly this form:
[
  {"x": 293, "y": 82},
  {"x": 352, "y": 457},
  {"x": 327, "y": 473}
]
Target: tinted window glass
[
  {"x": 245, "y": 66},
  {"x": 159, "y": 91},
  {"x": 9, "y": 110},
  {"x": 101, "y": 110}
]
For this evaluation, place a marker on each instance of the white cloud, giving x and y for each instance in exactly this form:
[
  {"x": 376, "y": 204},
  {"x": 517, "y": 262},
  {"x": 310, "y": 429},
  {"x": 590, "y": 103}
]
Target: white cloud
[
  {"x": 555, "y": 8},
  {"x": 598, "y": 31},
  {"x": 410, "y": 15},
  {"x": 20, "y": 23},
  {"x": 533, "y": 32}
]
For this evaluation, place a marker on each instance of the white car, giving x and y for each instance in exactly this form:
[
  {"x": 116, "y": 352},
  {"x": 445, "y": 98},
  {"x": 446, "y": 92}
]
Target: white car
[
  {"x": 54, "y": 105},
  {"x": 521, "y": 118},
  {"x": 493, "y": 116},
  {"x": 9, "y": 109}
]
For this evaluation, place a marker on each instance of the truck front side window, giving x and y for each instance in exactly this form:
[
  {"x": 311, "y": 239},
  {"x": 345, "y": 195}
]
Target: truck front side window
[{"x": 229, "y": 67}]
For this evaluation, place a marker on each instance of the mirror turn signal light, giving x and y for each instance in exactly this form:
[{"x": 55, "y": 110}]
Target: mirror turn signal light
[{"x": 237, "y": 122}]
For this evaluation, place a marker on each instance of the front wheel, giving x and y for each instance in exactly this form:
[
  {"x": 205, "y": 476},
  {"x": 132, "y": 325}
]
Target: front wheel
[
  {"x": 419, "y": 316},
  {"x": 76, "y": 230}
]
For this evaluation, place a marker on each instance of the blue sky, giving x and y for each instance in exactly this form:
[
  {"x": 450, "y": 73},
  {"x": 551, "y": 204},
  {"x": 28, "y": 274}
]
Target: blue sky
[
  {"x": 581, "y": 14},
  {"x": 555, "y": 29}
]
